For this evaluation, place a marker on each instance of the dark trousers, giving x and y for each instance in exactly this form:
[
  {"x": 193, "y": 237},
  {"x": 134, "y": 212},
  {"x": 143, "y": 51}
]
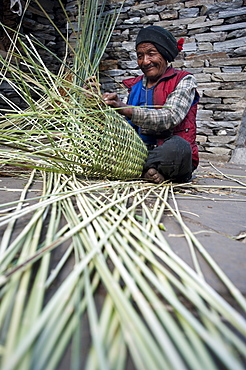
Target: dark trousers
[{"x": 173, "y": 159}]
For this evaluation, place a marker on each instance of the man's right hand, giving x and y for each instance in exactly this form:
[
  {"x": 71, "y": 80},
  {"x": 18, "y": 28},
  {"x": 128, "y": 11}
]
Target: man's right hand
[{"x": 113, "y": 100}]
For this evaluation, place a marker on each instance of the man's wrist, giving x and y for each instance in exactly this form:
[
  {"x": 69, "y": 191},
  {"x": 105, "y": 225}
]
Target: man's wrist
[{"x": 126, "y": 111}]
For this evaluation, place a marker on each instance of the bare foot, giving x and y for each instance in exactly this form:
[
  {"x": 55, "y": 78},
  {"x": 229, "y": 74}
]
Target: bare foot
[{"x": 154, "y": 176}]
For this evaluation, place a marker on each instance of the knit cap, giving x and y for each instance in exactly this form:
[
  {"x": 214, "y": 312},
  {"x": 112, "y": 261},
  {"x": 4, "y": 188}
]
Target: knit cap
[{"x": 162, "y": 39}]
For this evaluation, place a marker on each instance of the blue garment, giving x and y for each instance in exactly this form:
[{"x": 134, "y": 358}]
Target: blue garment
[{"x": 141, "y": 96}]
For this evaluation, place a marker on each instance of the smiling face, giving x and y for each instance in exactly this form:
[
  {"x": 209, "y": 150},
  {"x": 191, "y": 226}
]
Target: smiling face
[{"x": 151, "y": 62}]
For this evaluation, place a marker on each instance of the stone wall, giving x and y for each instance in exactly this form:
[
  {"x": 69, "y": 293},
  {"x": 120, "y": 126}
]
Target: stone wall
[
  {"x": 214, "y": 51},
  {"x": 37, "y": 26}
]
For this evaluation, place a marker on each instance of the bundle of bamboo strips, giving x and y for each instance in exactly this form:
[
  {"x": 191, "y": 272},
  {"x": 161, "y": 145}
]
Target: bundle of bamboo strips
[{"x": 155, "y": 309}]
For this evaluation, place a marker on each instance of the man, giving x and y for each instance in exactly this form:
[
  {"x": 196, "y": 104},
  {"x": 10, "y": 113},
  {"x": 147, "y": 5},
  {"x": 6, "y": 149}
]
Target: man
[{"x": 162, "y": 106}]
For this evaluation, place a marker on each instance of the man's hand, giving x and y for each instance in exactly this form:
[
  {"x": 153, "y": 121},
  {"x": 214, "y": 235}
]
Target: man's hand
[{"x": 114, "y": 101}]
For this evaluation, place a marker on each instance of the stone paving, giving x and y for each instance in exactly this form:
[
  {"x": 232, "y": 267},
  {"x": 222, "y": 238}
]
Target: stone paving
[{"x": 217, "y": 213}]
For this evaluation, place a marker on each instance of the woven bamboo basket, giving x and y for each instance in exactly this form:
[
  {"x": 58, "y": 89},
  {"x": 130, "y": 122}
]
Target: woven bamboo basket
[
  {"x": 102, "y": 144},
  {"x": 87, "y": 139}
]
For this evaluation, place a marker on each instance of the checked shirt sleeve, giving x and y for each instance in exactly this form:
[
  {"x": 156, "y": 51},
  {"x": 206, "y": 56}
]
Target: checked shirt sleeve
[{"x": 176, "y": 107}]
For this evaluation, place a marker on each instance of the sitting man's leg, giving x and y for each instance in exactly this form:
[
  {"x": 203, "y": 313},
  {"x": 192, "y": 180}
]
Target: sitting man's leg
[{"x": 171, "y": 160}]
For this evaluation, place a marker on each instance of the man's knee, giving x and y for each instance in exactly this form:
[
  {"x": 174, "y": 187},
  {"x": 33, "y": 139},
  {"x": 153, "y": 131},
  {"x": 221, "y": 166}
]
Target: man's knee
[{"x": 173, "y": 159}]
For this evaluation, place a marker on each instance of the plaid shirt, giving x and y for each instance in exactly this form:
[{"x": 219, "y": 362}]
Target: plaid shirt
[{"x": 173, "y": 112}]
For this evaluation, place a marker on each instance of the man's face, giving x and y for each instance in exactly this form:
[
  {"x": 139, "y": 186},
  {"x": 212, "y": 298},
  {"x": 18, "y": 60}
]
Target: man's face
[{"x": 150, "y": 61}]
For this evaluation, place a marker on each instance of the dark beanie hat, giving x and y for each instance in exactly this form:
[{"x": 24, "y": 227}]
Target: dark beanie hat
[{"x": 162, "y": 39}]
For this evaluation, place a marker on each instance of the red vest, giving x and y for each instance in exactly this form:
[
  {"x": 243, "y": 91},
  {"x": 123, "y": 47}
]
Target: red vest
[{"x": 187, "y": 128}]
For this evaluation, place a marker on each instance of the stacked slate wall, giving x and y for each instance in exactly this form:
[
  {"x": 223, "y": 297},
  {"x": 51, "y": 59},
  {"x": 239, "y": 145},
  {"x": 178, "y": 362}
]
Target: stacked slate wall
[
  {"x": 214, "y": 51},
  {"x": 36, "y": 25}
]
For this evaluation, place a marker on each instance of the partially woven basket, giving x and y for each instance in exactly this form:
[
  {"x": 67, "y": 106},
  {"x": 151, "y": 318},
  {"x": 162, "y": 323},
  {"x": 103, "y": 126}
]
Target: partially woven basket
[
  {"x": 77, "y": 136},
  {"x": 104, "y": 145}
]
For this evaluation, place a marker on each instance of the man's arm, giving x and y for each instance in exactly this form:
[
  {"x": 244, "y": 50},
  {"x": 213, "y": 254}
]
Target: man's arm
[{"x": 176, "y": 108}]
